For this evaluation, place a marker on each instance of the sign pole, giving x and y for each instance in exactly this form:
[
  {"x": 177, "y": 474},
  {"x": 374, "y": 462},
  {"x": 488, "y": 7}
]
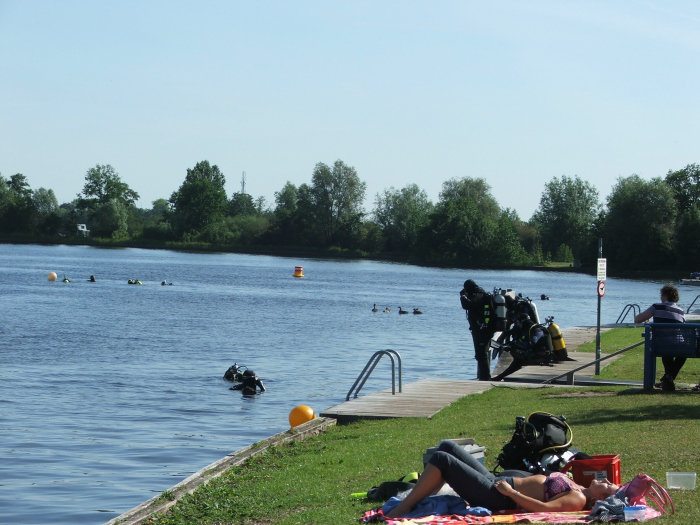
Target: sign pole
[{"x": 597, "y": 334}]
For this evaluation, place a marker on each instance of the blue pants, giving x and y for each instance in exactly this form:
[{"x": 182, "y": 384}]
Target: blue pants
[{"x": 469, "y": 478}]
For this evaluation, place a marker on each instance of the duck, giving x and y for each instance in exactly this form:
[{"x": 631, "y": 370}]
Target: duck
[
  {"x": 544, "y": 297},
  {"x": 375, "y": 308},
  {"x": 387, "y": 310},
  {"x": 401, "y": 311},
  {"x": 416, "y": 311}
]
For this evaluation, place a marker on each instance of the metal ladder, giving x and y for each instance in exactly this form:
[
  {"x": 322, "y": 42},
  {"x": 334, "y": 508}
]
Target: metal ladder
[
  {"x": 691, "y": 304},
  {"x": 369, "y": 368},
  {"x": 634, "y": 308}
]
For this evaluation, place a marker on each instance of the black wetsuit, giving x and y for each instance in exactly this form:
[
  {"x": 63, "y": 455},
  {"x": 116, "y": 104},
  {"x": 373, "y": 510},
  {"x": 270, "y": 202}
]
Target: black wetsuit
[{"x": 471, "y": 297}]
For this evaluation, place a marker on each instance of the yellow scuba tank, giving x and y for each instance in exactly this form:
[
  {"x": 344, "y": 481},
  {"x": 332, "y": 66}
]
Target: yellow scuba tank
[
  {"x": 557, "y": 337},
  {"x": 560, "y": 353}
]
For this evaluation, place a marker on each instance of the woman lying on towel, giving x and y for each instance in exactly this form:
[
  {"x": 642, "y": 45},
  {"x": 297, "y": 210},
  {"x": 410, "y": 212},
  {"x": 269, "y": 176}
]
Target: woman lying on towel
[{"x": 479, "y": 487}]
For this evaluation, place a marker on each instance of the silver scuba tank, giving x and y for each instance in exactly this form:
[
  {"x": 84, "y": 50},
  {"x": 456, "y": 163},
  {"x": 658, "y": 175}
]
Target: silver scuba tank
[{"x": 499, "y": 303}]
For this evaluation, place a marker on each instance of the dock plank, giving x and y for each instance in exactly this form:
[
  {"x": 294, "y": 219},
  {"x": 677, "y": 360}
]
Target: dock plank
[{"x": 426, "y": 397}]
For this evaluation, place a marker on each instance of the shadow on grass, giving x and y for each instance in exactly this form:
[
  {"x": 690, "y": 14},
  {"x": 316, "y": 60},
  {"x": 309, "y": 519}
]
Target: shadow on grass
[{"x": 668, "y": 412}]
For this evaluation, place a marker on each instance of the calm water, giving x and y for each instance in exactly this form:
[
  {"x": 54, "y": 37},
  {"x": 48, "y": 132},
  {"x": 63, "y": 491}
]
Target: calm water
[{"x": 110, "y": 393}]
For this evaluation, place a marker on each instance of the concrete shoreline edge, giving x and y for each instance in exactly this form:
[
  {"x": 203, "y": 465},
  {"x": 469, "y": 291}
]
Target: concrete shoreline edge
[{"x": 158, "y": 504}]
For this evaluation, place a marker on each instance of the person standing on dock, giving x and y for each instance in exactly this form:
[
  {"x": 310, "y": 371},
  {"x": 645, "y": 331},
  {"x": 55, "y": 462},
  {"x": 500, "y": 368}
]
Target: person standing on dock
[
  {"x": 667, "y": 311},
  {"x": 474, "y": 299}
]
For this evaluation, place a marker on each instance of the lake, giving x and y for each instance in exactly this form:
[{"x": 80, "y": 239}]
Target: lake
[{"x": 112, "y": 393}]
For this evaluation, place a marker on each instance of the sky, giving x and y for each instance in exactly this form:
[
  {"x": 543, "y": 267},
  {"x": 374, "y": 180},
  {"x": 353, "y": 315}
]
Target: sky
[{"x": 516, "y": 92}]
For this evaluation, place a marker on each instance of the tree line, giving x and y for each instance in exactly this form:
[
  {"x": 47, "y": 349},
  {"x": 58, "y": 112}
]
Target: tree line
[{"x": 646, "y": 224}]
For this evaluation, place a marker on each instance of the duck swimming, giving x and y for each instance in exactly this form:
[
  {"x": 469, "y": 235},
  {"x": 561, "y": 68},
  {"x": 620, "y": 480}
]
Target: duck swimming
[
  {"x": 387, "y": 310},
  {"x": 416, "y": 311},
  {"x": 401, "y": 311},
  {"x": 375, "y": 308}
]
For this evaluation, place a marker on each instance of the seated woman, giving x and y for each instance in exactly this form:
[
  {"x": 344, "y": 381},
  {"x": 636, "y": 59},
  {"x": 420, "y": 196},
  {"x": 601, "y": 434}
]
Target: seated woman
[{"x": 479, "y": 487}]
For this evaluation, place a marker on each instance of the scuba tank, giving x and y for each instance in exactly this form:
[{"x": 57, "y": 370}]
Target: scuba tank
[
  {"x": 533, "y": 312},
  {"x": 560, "y": 353},
  {"x": 499, "y": 303}
]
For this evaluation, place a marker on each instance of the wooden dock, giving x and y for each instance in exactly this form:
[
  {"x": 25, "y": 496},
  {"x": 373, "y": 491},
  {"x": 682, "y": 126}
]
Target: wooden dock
[{"x": 426, "y": 397}]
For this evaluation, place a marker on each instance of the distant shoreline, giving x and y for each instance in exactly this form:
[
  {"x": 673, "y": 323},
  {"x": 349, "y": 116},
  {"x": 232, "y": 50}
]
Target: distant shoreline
[{"x": 337, "y": 253}]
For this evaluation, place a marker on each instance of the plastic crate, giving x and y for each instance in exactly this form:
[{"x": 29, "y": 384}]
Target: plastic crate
[{"x": 600, "y": 467}]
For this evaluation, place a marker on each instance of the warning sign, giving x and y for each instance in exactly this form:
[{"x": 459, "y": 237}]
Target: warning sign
[{"x": 602, "y": 269}]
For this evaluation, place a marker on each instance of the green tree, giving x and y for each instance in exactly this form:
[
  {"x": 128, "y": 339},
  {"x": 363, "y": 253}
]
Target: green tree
[
  {"x": 200, "y": 200},
  {"x": 45, "y": 201},
  {"x": 688, "y": 239},
  {"x": 286, "y": 199},
  {"x": 639, "y": 224},
  {"x": 564, "y": 254},
  {"x": 47, "y": 215},
  {"x": 506, "y": 249},
  {"x": 17, "y": 206},
  {"x": 161, "y": 208},
  {"x": 106, "y": 199},
  {"x": 401, "y": 214},
  {"x": 462, "y": 226},
  {"x": 102, "y": 185},
  {"x": 685, "y": 184},
  {"x": 337, "y": 194},
  {"x": 566, "y": 215},
  {"x": 110, "y": 220},
  {"x": 283, "y": 229},
  {"x": 242, "y": 204}
]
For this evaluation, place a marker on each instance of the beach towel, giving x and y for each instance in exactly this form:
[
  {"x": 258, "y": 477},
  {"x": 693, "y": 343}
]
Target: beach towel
[{"x": 376, "y": 516}]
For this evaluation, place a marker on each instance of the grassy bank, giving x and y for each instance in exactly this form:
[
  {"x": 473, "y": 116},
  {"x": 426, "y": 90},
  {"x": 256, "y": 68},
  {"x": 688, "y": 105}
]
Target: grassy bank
[
  {"x": 310, "y": 482},
  {"x": 631, "y": 366}
]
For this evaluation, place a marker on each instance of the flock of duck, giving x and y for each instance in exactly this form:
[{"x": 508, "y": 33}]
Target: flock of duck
[{"x": 387, "y": 310}]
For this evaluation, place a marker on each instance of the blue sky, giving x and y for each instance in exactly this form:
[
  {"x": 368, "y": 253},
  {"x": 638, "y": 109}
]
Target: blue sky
[{"x": 516, "y": 92}]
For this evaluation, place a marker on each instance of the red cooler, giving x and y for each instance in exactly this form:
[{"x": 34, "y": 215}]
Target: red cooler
[{"x": 600, "y": 467}]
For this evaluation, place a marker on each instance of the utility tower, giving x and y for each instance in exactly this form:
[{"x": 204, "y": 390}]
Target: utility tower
[{"x": 243, "y": 183}]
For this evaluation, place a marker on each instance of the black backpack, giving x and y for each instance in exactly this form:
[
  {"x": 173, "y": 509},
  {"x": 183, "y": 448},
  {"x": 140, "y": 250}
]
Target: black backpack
[{"x": 534, "y": 437}]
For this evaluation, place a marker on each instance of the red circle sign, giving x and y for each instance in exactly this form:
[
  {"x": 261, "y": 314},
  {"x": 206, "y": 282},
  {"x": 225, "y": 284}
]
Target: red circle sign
[{"x": 601, "y": 288}]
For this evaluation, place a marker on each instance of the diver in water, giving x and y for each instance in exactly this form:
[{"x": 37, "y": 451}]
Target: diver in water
[
  {"x": 235, "y": 373},
  {"x": 249, "y": 384}
]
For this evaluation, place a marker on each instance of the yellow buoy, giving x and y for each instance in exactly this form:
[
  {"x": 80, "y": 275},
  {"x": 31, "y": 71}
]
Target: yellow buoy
[
  {"x": 298, "y": 271},
  {"x": 301, "y": 414},
  {"x": 52, "y": 276}
]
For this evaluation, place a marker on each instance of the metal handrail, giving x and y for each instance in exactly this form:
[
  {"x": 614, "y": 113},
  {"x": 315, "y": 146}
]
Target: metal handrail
[
  {"x": 634, "y": 308},
  {"x": 570, "y": 374},
  {"x": 691, "y": 304},
  {"x": 367, "y": 371}
]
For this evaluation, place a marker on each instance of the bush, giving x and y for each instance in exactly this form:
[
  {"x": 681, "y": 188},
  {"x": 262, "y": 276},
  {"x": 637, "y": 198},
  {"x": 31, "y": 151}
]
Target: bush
[{"x": 564, "y": 254}]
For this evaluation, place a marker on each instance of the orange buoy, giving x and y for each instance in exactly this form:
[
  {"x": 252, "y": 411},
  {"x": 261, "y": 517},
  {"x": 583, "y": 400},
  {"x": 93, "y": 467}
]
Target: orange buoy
[
  {"x": 301, "y": 414},
  {"x": 298, "y": 271}
]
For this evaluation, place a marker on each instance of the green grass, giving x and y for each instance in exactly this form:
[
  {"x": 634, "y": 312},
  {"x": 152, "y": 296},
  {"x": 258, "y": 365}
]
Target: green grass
[
  {"x": 310, "y": 482},
  {"x": 631, "y": 365}
]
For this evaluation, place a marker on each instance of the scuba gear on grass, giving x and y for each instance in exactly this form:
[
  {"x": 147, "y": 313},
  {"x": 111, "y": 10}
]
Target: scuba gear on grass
[{"x": 539, "y": 444}]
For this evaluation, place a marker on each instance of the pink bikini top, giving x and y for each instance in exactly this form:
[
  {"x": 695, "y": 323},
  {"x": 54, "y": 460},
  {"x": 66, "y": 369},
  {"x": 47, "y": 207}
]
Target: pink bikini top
[{"x": 556, "y": 483}]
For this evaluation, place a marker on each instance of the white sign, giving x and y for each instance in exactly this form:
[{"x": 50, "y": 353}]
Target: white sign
[
  {"x": 601, "y": 288},
  {"x": 602, "y": 267}
]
